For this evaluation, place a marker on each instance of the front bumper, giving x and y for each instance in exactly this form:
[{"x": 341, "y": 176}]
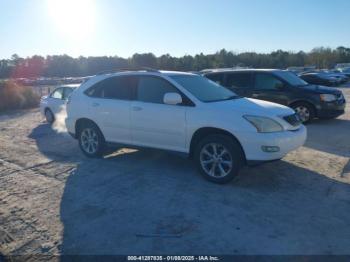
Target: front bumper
[
  {"x": 287, "y": 141},
  {"x": 331, "y": 109}
]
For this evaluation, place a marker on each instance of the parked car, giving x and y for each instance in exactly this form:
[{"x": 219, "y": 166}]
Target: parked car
[
  {"x": 318, "y": 78},
  {"x": 345, "y": 71},
  {"x": 285, "y": 88},
  {"x": 341, "y": 77},
  {"x": 181, "y": 112},
  {"x": 301, "y": 69},
  {"x": 55, "y": 102}
]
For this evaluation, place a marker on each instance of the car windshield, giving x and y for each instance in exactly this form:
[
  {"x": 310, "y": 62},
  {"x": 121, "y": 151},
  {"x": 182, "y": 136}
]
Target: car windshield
[
  {"x": 291, "y": 78},
  {"x": 204, "y": 89}
]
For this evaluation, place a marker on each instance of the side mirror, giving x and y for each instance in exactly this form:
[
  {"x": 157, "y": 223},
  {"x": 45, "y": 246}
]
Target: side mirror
[{"x": 172, "y": 99}]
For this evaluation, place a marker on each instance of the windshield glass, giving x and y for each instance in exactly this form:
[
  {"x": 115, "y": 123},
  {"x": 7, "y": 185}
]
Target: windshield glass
[
  {"x": 204, "y": 89},
  {"x": 291, "y": 78}
]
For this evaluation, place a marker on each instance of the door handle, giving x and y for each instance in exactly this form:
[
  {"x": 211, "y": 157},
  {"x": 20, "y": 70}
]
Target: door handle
[
  {"x": 95, "y": 104},
  {"x": 136, "y": 108}
]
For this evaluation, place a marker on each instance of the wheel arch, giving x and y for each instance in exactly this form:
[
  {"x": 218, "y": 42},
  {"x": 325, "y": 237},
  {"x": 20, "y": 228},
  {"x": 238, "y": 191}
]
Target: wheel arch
[
  {"x": 47, "y": 108},
  {"x": 305, "y": 102},
  {"x": 80, "y": 123},
  {"x": 206, "y": 131}
]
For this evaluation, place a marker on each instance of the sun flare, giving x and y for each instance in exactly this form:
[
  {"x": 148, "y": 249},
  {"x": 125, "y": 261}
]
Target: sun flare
[{"x": 74, "y": 19}]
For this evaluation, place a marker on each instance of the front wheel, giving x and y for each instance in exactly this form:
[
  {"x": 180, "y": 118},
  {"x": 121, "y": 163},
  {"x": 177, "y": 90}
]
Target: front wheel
[
  {"x": 91, "y": 140},
  {"x": 305, "y": 112},
  {"x": 219, "y": 158}
]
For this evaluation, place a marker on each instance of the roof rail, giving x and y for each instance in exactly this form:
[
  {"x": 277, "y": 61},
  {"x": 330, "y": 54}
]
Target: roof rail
[
  {"x": 126, "y": 69},
  {"x": 212, "y": 70}
]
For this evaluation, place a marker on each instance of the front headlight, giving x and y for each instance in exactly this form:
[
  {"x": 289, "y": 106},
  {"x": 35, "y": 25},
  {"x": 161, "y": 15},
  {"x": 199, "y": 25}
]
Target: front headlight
[
  {"x": 328, "y": 97},
  {"x": 264, "y": 124}
]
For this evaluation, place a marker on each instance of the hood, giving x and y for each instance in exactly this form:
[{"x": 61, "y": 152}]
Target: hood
[
  {"x": 320, "y": 89},
  {"x": 254, "y": 107}
]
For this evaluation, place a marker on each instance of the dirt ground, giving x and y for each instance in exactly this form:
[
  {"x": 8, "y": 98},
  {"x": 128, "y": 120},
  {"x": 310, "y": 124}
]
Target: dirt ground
[{"x": 53, "y": 200}]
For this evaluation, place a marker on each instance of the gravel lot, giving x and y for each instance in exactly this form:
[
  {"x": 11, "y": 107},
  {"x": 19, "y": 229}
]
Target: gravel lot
[{"x": 53, "y": 200}]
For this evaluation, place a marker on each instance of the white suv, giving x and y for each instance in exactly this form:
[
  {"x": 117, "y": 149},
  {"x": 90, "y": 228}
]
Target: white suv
[{"x": 181, "y": 112}]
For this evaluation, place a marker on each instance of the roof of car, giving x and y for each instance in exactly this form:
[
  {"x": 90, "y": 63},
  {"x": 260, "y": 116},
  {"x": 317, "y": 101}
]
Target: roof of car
[
  {"x": 173, "y": 73},
  {"x": 70, "y": 85},
  {"x": 155, "y": 72},
  {"x": 311, "y": 73},
  {"x": 240, "y": 70}
]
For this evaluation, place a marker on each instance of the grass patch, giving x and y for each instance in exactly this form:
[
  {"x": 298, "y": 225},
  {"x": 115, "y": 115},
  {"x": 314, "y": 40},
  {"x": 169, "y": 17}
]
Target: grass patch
[{"x": 14, "y": 96}]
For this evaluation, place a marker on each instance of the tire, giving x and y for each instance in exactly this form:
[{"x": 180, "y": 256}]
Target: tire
[
  {"x": 50, "y": 117},
  {"x": 91, "y": 140},
  {"x": 305, "y": 110},
  {"x": 215, "y": 168}
]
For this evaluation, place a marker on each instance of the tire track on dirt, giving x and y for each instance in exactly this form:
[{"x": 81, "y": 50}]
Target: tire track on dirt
[{"x": 31, "y": 198}]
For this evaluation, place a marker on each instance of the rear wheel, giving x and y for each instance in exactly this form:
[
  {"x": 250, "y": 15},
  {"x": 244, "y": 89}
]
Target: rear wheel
[
  {"x": 91, "y": 140},
  {"x": 50, "y": 118},
  {"x": 219, "y": 158},
  {"x": 305, "y": 111}
]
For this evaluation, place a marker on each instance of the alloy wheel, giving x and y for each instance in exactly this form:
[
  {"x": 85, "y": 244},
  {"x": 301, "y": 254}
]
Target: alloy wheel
[
  {"x": 216, "y": 160},
  {"x": 89, "y": 140}
]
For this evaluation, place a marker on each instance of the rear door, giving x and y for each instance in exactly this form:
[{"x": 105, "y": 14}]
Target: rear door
[
  {"x": 154, "y": 123},
  {"x": 239, "y": 82},
  {"x": 270, "y": 88},
  {"x": 109, "y": 107}
]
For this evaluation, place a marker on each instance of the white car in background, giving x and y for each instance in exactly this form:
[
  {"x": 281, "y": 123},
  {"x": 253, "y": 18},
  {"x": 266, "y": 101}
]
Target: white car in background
[
  {"x": 181, "y": 112},
  {"x": 55, "y": 102}
]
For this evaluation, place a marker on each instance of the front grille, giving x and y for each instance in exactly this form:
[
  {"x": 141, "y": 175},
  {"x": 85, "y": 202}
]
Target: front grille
[{"x": 294, "y": 119}]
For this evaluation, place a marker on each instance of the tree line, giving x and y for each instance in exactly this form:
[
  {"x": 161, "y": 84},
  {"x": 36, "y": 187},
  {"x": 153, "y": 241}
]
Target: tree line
[{"x": 66, "y": 66}]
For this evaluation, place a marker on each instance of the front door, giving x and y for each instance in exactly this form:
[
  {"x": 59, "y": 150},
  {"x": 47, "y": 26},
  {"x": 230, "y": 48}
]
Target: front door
[
  {"x": 269, "y": 88},
  {"x": 154, "y": 123}
]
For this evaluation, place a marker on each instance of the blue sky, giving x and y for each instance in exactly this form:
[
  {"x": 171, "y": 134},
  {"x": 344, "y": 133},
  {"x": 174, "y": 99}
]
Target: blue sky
[{"x": 177, "y": 27}]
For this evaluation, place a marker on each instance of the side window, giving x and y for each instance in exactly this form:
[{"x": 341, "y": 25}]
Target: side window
[
  {"x": 67, "y": 92},
  {"x": 217, "y": 78},
  {"x": 239, "y": 80},
  {"x": 120, "y": 87},
  {"x": 58, "y": 93},
  {"x": 153, "y": 89},
  {"x": 267, "y": 82}
]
